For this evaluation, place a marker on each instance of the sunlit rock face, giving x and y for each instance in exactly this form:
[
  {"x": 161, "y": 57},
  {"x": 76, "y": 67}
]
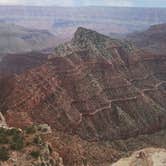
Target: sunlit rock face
[
  {"x": 145, "y": 157},
  {"x": 93, "y": 86}
]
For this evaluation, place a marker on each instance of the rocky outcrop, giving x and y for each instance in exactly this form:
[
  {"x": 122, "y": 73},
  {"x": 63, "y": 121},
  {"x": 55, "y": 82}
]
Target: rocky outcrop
[
  {"x": 26, "y": 148},
  {"x": 2, "y": 121},
  {"x": 93, "y": 86},
  {"x": 145, "y": 157}
]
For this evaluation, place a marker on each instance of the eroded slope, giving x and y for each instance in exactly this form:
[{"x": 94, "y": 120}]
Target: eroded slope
[{"x": 94, "y": 86}]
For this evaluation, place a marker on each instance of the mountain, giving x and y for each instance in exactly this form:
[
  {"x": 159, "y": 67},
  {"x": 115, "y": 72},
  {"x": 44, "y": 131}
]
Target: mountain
[
  {"x": 17, "y": 39},
  {"x": 63, "y": 21},
  {"x": 153, "y": 39},
  {"x": 102, "y": 97},
  {"x": 98, "y": 86}
]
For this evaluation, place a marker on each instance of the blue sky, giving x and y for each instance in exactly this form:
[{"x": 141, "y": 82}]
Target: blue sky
[{"x": 130, "y": 3}]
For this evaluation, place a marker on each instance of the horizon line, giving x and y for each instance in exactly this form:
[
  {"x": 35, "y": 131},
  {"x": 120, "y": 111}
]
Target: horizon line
[{"x": 84, "y": 6}]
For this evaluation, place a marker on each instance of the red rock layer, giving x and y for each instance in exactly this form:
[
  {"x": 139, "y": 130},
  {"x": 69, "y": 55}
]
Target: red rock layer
[{"x": 91, "y": 94}]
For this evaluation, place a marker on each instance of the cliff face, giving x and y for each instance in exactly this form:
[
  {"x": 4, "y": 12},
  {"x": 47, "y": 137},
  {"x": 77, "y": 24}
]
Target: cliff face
[
  {"x": 94, "y": 86},
  {"x": 19, "y": 63}
]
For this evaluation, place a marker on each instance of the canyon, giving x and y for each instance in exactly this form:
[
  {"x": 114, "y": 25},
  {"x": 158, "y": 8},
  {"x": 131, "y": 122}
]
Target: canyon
[
  {"x": 102, "y": 97},
  {"x": 90, "y": 78}
]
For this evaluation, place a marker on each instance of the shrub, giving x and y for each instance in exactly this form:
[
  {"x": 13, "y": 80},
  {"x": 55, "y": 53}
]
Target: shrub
[
  {"x": 35, "y": 154},
  {"x": 2, "y": 130},
  {"x": 30, "y": 130},
  {"x": 3, "y": 139},
  {"x": 13, "y": 131},
  {"x": 3, "y": 136},
  {"x": 37, "y": 140},
  {"x": 4, "y": 154},
  {"x": 17, "y": 142}
]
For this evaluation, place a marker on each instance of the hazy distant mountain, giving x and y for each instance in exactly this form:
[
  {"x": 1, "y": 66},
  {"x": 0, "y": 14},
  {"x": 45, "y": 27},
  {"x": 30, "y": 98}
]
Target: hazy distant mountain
[
  {"x": 17, "y": 39},
  {"x": 153, "y": 39},
  {"x": 64, "y": 21}
]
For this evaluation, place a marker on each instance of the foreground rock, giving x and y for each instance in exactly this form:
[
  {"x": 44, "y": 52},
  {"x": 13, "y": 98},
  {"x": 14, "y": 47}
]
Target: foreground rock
[
  {"x": 145, "y": 157},
  {"x": 27, "y": 148},
  {"x": 3, "y": 121}
]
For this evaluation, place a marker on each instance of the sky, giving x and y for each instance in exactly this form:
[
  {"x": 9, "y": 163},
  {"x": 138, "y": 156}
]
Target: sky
[{"x": 129, "y": 3}]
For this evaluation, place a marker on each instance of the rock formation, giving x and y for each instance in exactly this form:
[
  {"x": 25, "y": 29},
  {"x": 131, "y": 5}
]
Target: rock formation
[
  {"x": 145, "y": 157},
  {"x": 2, "y": 121},
  {"x": 94, "y": 86},
  {"x": 26, "y": 148}
]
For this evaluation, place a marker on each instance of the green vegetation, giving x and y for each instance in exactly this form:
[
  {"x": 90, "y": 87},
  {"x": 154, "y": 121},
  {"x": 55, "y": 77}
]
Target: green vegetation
[
  {"x": 35, "y": 154},
  {"x": 37, "y": 140},
  {"x": 30, "y": 130},
  {"x": 13, "y": 131},
  {"x": 4, "y": 154},
  {"x": 3, "y": 139},
  {"x": 17, "y": 142},
  {"x": 12, "y": 138},
  {"x": 3, "y": 136}
]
